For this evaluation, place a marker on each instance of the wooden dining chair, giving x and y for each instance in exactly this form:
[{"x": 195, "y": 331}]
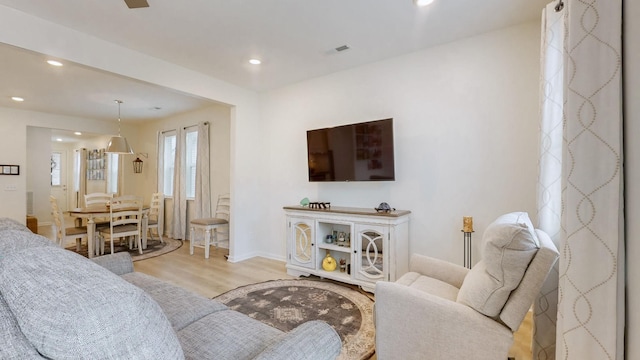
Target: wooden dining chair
[
  {"x": 97, "y": 199},
  {"x": 156, "y": 215},
  {"x": 125, "y": 221},
  {"x": 63, "y": 233},
  {"x": 218, "y": 224}
]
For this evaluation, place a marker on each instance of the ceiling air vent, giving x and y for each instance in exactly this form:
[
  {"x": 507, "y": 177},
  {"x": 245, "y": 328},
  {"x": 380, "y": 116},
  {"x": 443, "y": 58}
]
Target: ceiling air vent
[{"x": 342, "y": 48}]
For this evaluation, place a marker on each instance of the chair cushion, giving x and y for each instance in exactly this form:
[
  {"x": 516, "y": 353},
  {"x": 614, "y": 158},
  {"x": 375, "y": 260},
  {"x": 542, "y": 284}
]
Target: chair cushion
[
  {"x": 509, "y": 244},
  {"x": 181, "y": 306},
  {"x": 76, "y": 230},
  {"x": 429, "y": 285},
  {"x": 226, "y": 335},
  {"x": 209, "y": 221},
  {"x": 118, "y": 229},
  {"x": 67, "y": 305}
]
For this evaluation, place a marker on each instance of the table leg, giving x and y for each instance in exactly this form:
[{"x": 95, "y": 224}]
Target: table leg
[{"x": 91, "y": 235}]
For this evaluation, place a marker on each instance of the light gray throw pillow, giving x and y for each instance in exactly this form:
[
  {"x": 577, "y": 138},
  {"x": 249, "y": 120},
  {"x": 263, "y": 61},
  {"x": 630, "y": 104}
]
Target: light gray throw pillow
[
  {"x": 509, "y": 244},
  {"x": 70, "y": 307}
]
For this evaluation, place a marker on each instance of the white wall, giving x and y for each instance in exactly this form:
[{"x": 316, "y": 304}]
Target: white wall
[
  {"x": 39, "y": 171},
  {"x": 13, "y": 150},
  {"x": 631, "y": 36},
  {"x": 466, "y": 137}
]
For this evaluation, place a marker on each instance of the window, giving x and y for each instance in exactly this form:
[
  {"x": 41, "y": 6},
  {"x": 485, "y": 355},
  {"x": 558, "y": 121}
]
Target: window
[
  {"x": 190, "y": 162},
  {"x": 169, "y": 141},
  {"x": 112, "y": 173},
  {"x": 169, "y": 156},
  {"x": 56, "y": 159}
]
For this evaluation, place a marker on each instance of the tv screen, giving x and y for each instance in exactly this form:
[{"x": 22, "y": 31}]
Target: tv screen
[{"x": 355, "y": 152}]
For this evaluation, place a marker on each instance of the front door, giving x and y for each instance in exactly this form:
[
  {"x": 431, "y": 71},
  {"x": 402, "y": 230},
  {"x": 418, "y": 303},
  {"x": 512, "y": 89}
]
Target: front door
[{"x": 59, "y": 178}]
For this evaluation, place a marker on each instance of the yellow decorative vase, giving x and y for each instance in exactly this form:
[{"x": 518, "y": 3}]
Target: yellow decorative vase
[{"x": 329, "y": 263}]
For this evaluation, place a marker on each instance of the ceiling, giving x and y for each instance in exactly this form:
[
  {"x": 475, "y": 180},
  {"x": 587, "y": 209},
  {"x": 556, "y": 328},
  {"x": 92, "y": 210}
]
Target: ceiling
[{"x": 295, "y": 40}]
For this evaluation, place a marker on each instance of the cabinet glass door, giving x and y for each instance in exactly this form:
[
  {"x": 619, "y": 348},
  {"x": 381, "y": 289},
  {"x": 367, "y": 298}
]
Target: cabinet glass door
[
  {"x": 302, "y": 249},
  {"x": 370, "y": 252}
]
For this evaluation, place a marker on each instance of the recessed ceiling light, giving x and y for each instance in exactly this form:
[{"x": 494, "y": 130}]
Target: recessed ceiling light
[
  {"x": 255, "y": 62},
  {"x": 54, "y": 63},
  {"x": 78, "y": 133},
  {"x": 17, "y": 98},
  {"x": 423, "y": 2},
  {"x": 58, "y": 139}
]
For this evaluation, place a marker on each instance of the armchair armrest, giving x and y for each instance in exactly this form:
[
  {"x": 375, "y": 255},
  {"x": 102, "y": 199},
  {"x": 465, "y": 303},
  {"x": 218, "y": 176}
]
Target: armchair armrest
[
  {"x": 412, "y": 324},
  {"x": 313, "y": 340},
  {"x": 450, "y": 273},
  {"x": 118, "y": 263}
]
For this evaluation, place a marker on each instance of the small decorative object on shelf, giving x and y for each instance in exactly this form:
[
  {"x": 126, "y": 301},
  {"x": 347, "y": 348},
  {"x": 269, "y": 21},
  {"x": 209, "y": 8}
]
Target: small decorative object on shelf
[
  {"x": 304, "y": 202},
  {"x": 467, "y": 229},
  {"x": 384, "y": 208},
  {"x": 329, "y": 239},
  {"x": 343, "y": 239},
  {"x": 343, "y": 265},
  {"x": 319, "y": 205},
  {"x": 329, "y": 263}
]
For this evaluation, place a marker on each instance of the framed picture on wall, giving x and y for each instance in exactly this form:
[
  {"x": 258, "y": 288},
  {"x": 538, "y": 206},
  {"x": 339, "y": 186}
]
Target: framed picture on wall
[{"x": 9, "y": 170}]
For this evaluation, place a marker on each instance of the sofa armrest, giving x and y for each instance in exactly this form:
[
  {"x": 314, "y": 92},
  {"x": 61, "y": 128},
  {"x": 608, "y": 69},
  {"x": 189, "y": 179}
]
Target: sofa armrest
[
  {"x": 313, "y": 340},
  {"x": 411, "y": 323},
  {"x": 118, "y": 263},
  {"x": 450, "y": 273}
]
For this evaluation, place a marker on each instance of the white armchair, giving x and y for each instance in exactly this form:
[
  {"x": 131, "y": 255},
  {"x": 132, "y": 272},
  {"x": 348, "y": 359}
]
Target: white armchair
[{"x": 439, "y": 310}]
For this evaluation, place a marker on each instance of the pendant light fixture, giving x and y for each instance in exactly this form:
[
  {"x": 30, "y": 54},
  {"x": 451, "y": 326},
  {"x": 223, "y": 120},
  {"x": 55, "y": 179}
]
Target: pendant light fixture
[{"x": 118, "y": 144}]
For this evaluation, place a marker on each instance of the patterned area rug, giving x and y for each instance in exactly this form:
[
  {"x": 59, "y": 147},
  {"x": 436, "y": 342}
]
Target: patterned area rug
[
  {"x": 285, "y": 304},
  {"x": 154, "y": 248}
]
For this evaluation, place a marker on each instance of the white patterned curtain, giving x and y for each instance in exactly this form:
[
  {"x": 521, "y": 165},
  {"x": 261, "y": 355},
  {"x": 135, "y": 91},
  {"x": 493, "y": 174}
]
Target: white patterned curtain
[
  {"x": 202, "y": 200},
  {"x": 545, "y": 307},
  {"x": 590, "y": 316},
  {"x": 179, "y": 228}
]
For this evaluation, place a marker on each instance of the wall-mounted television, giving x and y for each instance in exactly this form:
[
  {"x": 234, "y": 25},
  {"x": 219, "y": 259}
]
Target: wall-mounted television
[{"x": 355, "y": 152}]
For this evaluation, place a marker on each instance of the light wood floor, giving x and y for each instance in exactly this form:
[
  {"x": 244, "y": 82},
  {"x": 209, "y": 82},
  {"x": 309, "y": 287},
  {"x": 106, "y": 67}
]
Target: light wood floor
[{"x": 214, "y": 276}]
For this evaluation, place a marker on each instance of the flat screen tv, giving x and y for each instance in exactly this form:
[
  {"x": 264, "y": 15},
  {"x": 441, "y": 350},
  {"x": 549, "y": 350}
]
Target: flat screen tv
[{"x": 355, "y": 152}]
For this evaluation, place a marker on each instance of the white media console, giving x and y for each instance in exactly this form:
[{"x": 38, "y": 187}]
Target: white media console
[{"x": 374, "y": 246}]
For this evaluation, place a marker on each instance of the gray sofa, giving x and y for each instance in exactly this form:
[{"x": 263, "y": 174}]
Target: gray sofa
[{"x": 55, "y": 304}]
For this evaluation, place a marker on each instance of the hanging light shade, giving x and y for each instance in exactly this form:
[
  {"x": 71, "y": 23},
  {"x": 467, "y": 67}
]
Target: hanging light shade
[
  {"x": 137, "y": 165},
  {"x": 118, "y": 144}
]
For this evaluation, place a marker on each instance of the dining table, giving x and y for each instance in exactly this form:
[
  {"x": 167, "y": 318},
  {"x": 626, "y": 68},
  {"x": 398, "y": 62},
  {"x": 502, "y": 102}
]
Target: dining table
[{"x": 93, "y": 212}]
